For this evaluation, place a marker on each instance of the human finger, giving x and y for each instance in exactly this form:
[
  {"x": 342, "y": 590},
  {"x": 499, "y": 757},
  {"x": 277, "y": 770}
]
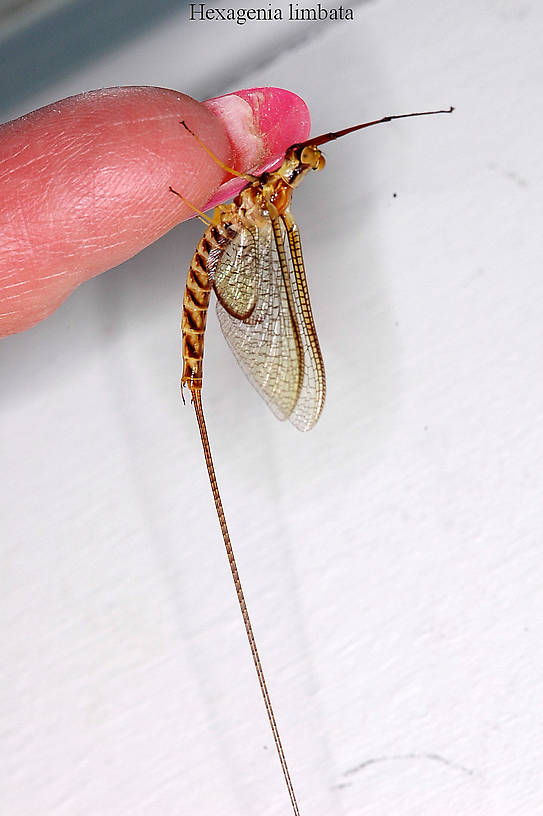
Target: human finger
[{"x": 85, "y": 181}]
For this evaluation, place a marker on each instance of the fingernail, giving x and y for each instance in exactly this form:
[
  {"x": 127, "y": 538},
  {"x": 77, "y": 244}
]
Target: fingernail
[{"x": 261, "y": 123}]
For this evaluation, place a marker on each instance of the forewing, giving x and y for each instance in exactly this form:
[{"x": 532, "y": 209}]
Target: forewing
[
  {"x": 264, "y": 343},
  {"x": 234, "y": 279},
  {"x": 271, "y": 342}
]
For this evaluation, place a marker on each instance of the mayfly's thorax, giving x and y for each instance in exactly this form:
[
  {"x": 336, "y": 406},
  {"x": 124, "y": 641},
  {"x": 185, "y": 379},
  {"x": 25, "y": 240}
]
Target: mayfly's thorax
[
  {"x": 263, "y": 200},
  {"x": 251, "y": 207}
]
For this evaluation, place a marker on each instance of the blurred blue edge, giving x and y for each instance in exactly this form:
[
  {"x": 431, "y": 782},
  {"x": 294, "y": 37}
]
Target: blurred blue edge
[{"x": 67, "y": 38}]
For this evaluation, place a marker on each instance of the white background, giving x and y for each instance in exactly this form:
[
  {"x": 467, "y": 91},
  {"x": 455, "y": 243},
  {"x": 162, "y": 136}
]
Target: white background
[{"x": 392, "y": 558}]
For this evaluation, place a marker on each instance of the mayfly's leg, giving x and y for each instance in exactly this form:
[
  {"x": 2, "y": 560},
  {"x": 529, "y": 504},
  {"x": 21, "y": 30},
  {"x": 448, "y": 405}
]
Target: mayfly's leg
[
  {"x": 200, "y": 213},
  {"x": 296, "y": 255},
  {"x": 247, "y": 176},
  {"x": 278, "y": 236}
]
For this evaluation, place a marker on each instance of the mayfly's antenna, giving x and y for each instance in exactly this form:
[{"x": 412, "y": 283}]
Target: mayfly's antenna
[{"x": 329, "y": 137}]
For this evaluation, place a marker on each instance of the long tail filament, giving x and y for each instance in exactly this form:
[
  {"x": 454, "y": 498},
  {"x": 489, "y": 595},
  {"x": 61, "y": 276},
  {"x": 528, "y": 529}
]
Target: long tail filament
[{"x": 197, "y": 399}]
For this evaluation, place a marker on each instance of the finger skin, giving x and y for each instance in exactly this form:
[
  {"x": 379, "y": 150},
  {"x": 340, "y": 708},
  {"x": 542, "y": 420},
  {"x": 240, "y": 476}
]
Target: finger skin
[{"x": 85, "y": 181}]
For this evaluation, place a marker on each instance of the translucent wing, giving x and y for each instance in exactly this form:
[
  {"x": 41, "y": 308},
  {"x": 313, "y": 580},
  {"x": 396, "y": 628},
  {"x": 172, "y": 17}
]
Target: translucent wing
[
  {"x": 265, "y": 315},
  {"x": 237, "y": 293}
]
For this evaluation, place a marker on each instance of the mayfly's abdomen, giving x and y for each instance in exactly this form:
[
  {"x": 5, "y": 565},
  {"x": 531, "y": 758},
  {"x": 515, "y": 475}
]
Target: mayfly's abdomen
[{"x": 196, "y": 303}]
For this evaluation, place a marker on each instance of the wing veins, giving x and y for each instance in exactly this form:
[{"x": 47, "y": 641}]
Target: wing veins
[{"x": 275, "y": 341}]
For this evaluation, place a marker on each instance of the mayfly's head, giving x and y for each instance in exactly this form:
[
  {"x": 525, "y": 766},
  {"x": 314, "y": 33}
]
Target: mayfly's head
[
  {"x": 299, "y": 160},
  {"x": 310, "y": 156}
]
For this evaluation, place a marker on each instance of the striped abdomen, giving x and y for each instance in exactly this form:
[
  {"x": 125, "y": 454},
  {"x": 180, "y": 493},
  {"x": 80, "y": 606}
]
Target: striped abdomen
[{"x": 196, "y": 302}]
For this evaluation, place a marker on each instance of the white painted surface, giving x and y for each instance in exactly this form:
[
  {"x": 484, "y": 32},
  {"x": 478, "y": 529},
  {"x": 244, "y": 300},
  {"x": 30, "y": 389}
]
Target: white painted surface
[{"x": 391, "y": 557}]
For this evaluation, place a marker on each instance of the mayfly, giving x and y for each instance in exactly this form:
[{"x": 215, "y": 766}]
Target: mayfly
[{"x": 251, "y": 256}]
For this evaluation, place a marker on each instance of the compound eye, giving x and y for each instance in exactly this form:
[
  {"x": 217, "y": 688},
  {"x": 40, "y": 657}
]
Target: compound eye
[{"x": 310, "y": 156}]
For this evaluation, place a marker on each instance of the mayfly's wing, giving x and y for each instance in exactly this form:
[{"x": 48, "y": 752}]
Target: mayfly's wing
[
  {"x": 269, "y": 327},
  {"x": 313, "y": 387},
  {"x": 237, "y": 293}
]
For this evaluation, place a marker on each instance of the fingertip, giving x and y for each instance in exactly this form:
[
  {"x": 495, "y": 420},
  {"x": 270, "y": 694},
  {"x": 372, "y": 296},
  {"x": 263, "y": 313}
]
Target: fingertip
[
  {"x": 281, "y": 116},
  {"x": 85, "y": 186},
  {"x": 261, "y": 123},
  {"x": 89, "y": 178}
]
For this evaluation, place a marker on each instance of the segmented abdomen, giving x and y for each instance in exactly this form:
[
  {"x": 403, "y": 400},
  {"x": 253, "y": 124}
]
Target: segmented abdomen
[{"x": 196, "y": 302}]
